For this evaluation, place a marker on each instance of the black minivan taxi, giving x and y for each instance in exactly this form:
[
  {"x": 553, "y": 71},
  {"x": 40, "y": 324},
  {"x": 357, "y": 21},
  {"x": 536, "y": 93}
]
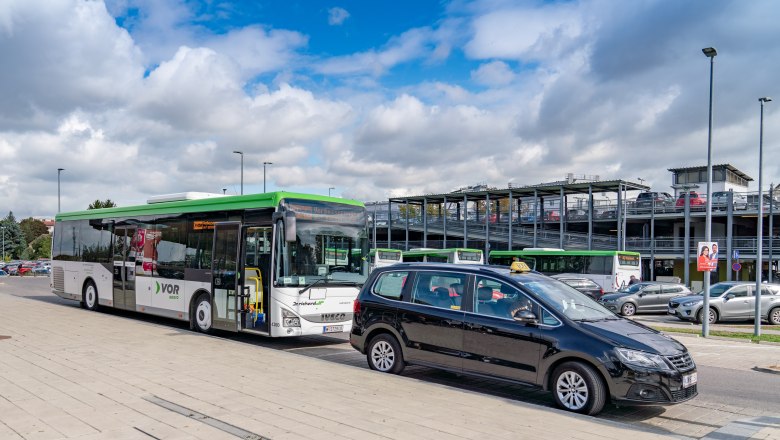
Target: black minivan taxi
[{"x": 517, "y": 325}]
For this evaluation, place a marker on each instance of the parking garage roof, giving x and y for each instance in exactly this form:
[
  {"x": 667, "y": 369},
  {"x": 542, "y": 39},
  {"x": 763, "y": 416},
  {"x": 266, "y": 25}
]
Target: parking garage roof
[
  {"x": 727, "y": 166},
  {"x": 542, "y": 190}
]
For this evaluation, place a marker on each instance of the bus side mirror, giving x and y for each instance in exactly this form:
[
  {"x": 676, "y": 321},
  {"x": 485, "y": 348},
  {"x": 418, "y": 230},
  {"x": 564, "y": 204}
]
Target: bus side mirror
[
  {"x": 289, "y": 227},
  {"x": 288, "y": 218}
]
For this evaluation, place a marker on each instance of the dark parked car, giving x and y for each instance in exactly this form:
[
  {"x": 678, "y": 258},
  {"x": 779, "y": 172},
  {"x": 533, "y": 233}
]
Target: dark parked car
[
  {"x": 648, "y": 296},
  {"x": 540, "y": 332},
  {"x": 647, "y": 199},
  {"x": 582, "y": 284}
]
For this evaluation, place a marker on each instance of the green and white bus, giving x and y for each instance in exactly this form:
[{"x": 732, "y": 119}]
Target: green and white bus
[
  {"x": 452, "y": 255},
  {"x": 260, "y": 263},
  {"x": 609, "y": 269},
  {"x": 384, "y": 257}
]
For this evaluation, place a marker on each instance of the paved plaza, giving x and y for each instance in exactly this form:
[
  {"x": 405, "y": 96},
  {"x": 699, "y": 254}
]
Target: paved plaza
[{"x": 70, "y": 373}]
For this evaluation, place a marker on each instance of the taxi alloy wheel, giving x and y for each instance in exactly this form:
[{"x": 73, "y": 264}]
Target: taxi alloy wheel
[
  {"x": 384, "y": 354},
  {"x": 577, "y": 387}
]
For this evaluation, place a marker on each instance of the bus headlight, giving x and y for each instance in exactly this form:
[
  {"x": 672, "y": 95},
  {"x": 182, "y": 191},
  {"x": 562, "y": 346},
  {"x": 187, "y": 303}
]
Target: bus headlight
[{"x": 289, "y": 319}]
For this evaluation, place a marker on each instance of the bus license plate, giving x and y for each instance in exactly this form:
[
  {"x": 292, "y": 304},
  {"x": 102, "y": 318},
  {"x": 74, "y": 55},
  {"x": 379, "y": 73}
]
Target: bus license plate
[
  {"x": 689, "y": 380},
  {"x": 333, "y": 329}
]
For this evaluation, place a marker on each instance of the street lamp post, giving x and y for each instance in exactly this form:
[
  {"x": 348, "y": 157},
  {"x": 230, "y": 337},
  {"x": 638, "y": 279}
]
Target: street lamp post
[
  {"x": 3, "y": 229},
  {"x": 59, "y": 170},
  {"x": 760, "y": 228},
  {"x": 710, "y": 53},
  {"x": 264, "y": 164},
  {"x": 242, "y": 170},
  {"x": 332, "y": 187}
]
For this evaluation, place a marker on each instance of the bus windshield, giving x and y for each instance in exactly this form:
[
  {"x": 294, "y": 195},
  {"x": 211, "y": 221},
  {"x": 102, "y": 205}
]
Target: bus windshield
[{"x": 324, "y": 249}]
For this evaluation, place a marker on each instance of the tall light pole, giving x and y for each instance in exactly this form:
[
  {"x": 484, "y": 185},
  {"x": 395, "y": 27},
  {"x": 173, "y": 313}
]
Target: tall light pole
[
  {"x": 760, "y": 229},
  {"x": 59, "y": 170},
  {"x": 242, "y": 170},
  {"x": 710, "y": 53},
  {"x": 332, "y": 187},
  {"x": 3, "y": 229},
  {"x": 264, "y": 164}
]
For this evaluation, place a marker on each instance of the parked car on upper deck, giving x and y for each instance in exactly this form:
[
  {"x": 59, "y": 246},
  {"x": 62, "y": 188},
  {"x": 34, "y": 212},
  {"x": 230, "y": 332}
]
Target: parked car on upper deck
[
  {"x": 541, "y": 332},
  {"x": 696, "y": 200},
  {"x": 720, "y": 200},
  {"x": 648, "y": 199},
  {"x": 730, "y": 301}
]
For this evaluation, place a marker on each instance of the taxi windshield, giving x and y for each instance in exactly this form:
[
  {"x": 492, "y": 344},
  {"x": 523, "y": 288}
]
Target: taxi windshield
[{"x": 565, "y": 299}]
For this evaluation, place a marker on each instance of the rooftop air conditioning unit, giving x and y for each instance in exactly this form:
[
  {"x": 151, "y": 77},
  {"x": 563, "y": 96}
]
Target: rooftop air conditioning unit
[{"x": 178, "y": 197}]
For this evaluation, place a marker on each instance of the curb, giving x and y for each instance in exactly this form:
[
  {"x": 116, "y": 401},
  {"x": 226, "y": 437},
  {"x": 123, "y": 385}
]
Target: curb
[
  {"x": 766, "y": 370},
  {"x": 720, "y": 338}
]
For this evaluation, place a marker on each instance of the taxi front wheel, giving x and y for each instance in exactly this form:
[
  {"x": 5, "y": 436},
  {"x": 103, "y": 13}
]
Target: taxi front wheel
[{"x": 577, "y": 387}]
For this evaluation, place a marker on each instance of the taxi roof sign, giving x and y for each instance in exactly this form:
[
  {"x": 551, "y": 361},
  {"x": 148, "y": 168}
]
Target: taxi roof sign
[{"x": 519, "y": 267}]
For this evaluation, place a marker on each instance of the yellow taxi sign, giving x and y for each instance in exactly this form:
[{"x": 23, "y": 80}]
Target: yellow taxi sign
[{"x": 519, "y": 267}]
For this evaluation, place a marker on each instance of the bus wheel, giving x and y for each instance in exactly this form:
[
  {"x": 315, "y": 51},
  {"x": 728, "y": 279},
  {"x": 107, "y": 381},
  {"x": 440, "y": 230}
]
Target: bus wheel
[
  {"x": 200, "y": 320},
  {"x": 90, "y": 296}
]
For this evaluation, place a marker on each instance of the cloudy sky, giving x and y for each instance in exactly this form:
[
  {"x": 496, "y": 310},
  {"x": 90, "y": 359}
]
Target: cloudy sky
[{"x": 375, "y": 98}]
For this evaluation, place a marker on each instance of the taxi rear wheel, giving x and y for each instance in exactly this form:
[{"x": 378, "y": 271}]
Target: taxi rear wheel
[{"x": 384, "y": 354}]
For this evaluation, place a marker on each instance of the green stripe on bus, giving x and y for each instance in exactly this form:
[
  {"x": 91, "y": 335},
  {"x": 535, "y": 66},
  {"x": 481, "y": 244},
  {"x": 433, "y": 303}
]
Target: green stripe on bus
[{"x": 226, "y": 203}]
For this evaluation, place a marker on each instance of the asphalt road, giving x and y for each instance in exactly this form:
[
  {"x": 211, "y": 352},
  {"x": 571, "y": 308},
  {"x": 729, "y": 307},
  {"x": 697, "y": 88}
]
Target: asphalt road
[{"x": 746, "y": 389}]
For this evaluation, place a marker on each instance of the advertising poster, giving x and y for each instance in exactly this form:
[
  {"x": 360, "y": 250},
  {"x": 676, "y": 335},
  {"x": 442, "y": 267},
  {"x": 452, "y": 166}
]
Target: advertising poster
[{"x": 707, "y": 256}]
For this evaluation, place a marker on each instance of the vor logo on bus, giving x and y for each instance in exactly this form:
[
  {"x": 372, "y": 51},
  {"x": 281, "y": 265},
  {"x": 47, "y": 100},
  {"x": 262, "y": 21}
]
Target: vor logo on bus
[{"x": 171, "y": 289}]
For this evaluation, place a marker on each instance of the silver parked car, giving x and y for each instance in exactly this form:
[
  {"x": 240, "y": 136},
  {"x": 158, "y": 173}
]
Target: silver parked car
[
  {"x": 646, "y": 296},
  {"x": 720, "y": 200},
  {"x": 730, "y": 301}
]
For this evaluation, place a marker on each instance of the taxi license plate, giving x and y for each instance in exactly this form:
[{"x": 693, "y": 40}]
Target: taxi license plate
[
  {"x": 689, "y": 380},
  {"x": 333, "y": 329}
]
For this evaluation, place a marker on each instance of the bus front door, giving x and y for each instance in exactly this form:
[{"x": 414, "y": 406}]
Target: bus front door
[
  {"x": 124, "y": 268},
  {"x": 224, "y": 273}
]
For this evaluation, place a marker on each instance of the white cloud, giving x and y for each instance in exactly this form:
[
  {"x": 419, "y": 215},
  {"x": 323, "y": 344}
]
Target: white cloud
[
  {"x": 412, "y": 44},
  {"x": 336, "y": 16},
  {"x": 524, "y": 32},
  {"x": 494, "y": 73}
]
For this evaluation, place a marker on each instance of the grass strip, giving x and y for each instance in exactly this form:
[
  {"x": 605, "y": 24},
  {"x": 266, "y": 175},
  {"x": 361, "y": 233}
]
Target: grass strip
[{"x": 723, "y": 334}]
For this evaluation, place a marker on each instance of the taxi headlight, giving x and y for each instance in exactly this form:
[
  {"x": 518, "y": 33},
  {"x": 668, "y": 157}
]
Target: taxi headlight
[{"x": 642, "y": 359}]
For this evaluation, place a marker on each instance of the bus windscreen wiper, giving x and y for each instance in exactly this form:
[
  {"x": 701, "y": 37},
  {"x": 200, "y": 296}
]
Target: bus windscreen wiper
[
  {"x": 310, "y": 285},
  {"x": 331, "y": 281}
]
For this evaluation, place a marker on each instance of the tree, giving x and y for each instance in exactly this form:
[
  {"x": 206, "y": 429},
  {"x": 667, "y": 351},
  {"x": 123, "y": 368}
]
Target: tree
[
  {"x": 100, "y": 204},
  {"x": 32, "y": 229},
  {"x": 15, "y": 243},
  {"x": 38, "y": 248}
]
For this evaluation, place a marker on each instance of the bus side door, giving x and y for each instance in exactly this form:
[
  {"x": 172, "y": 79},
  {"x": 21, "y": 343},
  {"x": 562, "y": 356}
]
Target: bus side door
[{"x": 224, "y": 272}]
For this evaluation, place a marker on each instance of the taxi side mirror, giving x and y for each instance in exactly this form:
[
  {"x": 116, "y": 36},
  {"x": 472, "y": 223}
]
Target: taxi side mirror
[{"x": 526, "y": 317}]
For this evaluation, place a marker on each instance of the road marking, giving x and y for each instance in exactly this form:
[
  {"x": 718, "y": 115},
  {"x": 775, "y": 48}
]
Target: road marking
[{"x": 216, "y": 423}]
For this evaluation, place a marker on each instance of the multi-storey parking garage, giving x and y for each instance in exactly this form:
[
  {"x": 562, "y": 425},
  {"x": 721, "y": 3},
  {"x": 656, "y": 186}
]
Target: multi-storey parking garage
[{"x": 593, "y": 214}]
